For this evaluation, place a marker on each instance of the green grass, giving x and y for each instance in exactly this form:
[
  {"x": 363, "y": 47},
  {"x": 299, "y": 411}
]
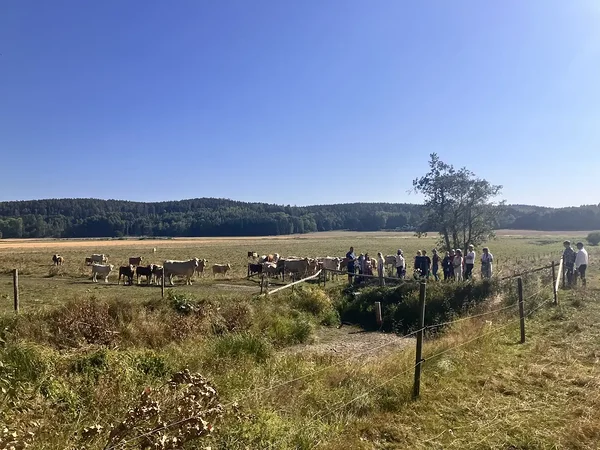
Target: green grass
[{"x": 80, "y": 355}]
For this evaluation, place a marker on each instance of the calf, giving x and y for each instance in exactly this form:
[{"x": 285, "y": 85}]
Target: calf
[
  {"x": 146, "y": 271},
  {"x": 126, "y": 272},
  {"x": 99, "y": 259},
  {"x": 220, "y": 268},
  {"x": 103, "y": 270},
  {"x": 252, "y": 255},
  {"x": 255, "y": 269},
  {"x": 88, "y": 261},
  {"x": 158, "y": 272},
  {"x": 135, "y": 261},
  {"x": 201, "y": 266},
  {"x": 58, "y": 260}
]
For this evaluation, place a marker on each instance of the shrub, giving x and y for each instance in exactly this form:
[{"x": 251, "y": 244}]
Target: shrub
[
  {"x": 400, "y": 305},
  {"x": 150, "y": 363},
  {"x": 91, "y": 365},
  {"x": 82, "y": 321},
  {"x": 594, "y": 238},
  {"x": 238, "y": 345}
]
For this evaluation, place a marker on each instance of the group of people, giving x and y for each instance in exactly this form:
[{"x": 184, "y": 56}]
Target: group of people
[
  {"x": 454, "y": 265},
  {"x": 575, "y": 263}
]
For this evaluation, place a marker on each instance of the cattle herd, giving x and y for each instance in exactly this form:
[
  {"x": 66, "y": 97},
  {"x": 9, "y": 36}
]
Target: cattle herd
[
  {"x": 274, "y": 265},
  {"x": 149, "y": 274}
]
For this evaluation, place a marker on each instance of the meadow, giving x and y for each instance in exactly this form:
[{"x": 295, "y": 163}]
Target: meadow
[{"x": 78, "y": 356}]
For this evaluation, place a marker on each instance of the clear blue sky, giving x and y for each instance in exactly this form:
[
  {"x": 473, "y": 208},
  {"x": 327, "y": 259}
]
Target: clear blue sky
[{"x": 297, "y": 102}]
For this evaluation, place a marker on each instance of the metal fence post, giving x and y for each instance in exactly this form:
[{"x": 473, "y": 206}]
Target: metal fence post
[{"x": 419, "y": 352}]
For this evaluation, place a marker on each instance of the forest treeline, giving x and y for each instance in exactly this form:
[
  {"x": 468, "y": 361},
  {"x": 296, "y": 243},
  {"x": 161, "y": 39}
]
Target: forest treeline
[{"x": 72, "y": 218}]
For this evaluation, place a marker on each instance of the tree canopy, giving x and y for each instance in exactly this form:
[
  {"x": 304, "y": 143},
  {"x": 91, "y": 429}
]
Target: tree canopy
[
  {"x": 458, "y": 205},
  {"x": 219, "y": 217}
]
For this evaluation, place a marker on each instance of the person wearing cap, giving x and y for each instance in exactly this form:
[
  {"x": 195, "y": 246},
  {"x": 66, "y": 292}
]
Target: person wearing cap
[
  {"x": 469, "y": 262},
  {"x": 581, "y": 262},
  {"x": 400, "y": 264},
  {"x": 568, "y": 262}
]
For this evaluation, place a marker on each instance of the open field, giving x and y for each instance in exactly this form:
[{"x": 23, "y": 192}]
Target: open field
[
  {"x": 86, "y": 351},
  {"x": 43, "y": 284}
]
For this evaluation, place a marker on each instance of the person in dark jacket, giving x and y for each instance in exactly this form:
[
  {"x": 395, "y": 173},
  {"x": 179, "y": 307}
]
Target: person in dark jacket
[
  {"x": 435, "y": 265},
  {"x": 446, "y": 264},
  {"x": 569, "y": 262}
]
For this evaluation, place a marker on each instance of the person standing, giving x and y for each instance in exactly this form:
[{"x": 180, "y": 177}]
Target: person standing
[
  {"x": 446, "y": 263},
  {"x": 581, "y": 262},
  {"x": 351, "y": 258},
  {"x": 400, "y": 264},
  {"x": 367, "y": 265},
  {"x": 469, "y": 262},
  {"x": 452, "y": 255},
  {"x": 426, "y": 263},
  {"x": 361, "y": 267},
  {"x": 380, "y": 265},
  {"x": 486, "y": 263},
  {"x": 435, "y": 264},
  {"x": 569, "y": 262},
  {"x": 457, "y": 263},
  {"x": 417, "y": 269}
]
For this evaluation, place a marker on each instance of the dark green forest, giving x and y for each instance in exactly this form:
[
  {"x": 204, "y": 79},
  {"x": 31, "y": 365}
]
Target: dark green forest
[{"x": 72, "y": 218}]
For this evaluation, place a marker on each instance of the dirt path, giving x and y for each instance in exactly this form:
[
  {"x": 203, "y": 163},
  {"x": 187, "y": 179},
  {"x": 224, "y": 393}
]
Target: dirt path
[{"x": 351, "y": 340}]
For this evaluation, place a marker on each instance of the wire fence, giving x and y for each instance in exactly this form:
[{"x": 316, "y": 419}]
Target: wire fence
[{"x": 419, "y": 359}]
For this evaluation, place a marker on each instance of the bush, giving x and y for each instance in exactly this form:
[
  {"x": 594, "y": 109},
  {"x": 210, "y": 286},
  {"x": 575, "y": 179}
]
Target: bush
[
  {"x": 400, "y": 305},
  {"x": 594, "y": 238},
  {"x": 150, "y": 363}
]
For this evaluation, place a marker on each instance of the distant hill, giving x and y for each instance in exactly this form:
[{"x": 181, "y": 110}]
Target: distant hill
[{"x": 82, "y": 217}]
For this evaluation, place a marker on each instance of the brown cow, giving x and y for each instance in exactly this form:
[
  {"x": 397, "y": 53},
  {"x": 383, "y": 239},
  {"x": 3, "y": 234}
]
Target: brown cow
[{"x": 135, "y": 261}]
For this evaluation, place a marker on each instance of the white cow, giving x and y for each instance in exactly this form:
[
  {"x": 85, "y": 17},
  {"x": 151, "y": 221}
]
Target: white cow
[
  {"x": 221, "y": 268},
  {"x": 180, "y": 268},
  {"x": 99, "y": 259},
  {"x": 330, "y": 263},
  {"x": 103, "y": 270}
]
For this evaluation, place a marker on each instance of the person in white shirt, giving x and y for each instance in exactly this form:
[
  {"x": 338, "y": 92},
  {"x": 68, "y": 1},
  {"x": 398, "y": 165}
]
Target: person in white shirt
[
  {"x": 581, "y": 262},
  {"x": 469, "y": 262},
  {"x": 486, "y": 263},
  {"x": 457, "y": 263},
  {"x": 400, "y": 264},
  {"x": 380, "y": 265}
]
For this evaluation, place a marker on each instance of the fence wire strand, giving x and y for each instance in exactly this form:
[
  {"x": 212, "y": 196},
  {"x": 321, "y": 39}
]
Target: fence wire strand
[{"x": 338, "y": 363}]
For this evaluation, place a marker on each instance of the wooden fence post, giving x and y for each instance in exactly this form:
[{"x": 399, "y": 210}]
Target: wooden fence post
[
  {"x": 521, "y": 310},
  {"x": 162, "y": 284},
  {"x": 16, "y": 288},
  {"x": 378, "y": 315},
  {"x": 554, "y": 283},
  {"x": 325, "y": 277},
  {"x": 262, "y": 283},
  {"x": 419, "y": 352}
]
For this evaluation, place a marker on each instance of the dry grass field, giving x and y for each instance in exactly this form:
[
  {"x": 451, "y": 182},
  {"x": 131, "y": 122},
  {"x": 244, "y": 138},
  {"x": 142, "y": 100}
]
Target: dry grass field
[
  {"x": 79, "y": 354},
  {"x": 43, "y": 284}
]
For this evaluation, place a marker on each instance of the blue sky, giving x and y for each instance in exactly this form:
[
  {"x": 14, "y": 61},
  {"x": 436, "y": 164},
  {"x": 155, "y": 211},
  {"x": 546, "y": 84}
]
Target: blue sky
[{"x": 297, "y": 102}]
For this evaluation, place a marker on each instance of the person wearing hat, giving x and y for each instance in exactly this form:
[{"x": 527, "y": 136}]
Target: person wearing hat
[
  {"x": 581, "y": 262},
  {"x": 400, "y": 264},
  {"x": 568, "y": 262}
]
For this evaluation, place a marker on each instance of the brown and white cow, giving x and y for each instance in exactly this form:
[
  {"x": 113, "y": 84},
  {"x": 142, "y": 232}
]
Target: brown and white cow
[
  {"x": 126, "y": 272},
  {"x": 144, "y": 271},
  {"x": 135, "y": 261}
]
